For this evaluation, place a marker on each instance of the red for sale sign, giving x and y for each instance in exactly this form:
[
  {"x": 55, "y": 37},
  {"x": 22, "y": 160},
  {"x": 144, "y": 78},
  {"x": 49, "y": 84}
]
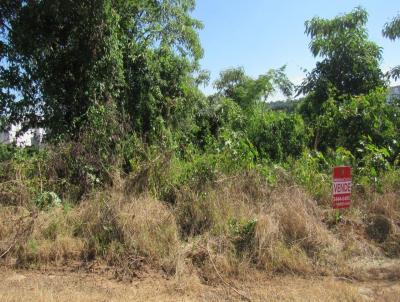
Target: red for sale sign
[{"x": 341, "y": 187}]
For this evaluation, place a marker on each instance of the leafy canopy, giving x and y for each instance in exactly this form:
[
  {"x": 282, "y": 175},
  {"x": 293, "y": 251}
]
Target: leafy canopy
[
  {"x": 247, "y": 92},
  {"x": 391, "y": 30},
  {"x": 60, "y": 57},
  {"x": 348, "y": 67},
  {"x": 349, "y": 61}
]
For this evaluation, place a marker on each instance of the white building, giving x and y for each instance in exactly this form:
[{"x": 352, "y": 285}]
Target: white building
[
  {"x": 33, "y": 137},
  {"x": 394, "y": 93}
]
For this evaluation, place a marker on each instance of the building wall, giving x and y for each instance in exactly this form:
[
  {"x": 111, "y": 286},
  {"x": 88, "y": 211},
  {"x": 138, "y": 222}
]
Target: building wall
[
  {"x": 32, "y": 137},
  {"x": 394, "y": 93},
  {"x": 4, "y": 137}
]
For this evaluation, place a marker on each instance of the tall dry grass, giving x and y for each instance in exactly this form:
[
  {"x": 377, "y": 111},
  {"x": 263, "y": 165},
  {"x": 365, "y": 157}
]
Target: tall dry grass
[{"x": 232, "y": 227}]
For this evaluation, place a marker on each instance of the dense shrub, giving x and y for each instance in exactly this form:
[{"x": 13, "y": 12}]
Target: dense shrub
[
  {"x": 277, "y": 135},
  {"x": 350, "y": 121}
]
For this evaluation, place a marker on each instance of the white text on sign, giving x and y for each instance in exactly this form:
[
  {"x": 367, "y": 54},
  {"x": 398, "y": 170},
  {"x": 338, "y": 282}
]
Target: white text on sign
[{"x": 342, "y": 187}]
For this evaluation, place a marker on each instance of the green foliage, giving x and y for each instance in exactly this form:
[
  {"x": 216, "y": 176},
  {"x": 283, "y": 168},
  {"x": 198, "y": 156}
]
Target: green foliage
[
  {"x": 346, "y": 101},
  {"x": 64, "y": 56},
  {"x": 236, "y": 152},
  {"x": 391, "y": 30},
  {"x": 351, "y": 120},
  {"x": 101, "y": 135},
  {"x": 288, "y": 105},
  {"x": 374, "y": 162},
  {"x": 23, "y": 175},
  {"x": 231, "y": 153},
  {"x": 341, "y": 157},
  {"x": 242, "y": 227},
  {"x": 350, "y": 62},
  {"x": 217, "y": 114},
  {"x": 313, "y": 171},
  {"x": 243, "y": 233},
  {"x": 247, "y": 92},
  {"x": 47, "y": 200},
  {"x": 6, "y": 152},
  {"x": 277, "y": 135}
]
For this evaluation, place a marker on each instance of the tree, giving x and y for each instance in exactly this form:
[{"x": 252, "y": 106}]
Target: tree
[
  {"x": 60, "y": 57},
  {"x": 356, "y": 120},
  {"x": 240, "y": 109},
  {"x": 391, "y": 30},
  {"x": 247, "y": 92},
  {"x": 349, "y": 67},
  {"x": 350, "y": 62}
]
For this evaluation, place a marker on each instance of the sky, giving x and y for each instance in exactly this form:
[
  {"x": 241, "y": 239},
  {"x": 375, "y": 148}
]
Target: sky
[{"x": 262, "y": 34}]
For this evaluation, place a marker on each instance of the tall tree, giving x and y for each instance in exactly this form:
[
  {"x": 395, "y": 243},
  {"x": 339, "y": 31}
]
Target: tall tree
[
  {"x": 349, "y": 61},
  {"x": 391, "y": 30},
  {"x": 348, "y": 67},
  {"x": 59, "y": 57}
]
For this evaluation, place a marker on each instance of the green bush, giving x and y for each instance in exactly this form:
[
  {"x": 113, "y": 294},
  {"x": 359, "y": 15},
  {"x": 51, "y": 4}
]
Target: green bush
[
  {"x": 346, "y": 121},
  {"x": 313, "y": 171},
  {"x": 243, "y": 233},
  {"x": 6, "y": 152},
  {"x": 277, "y": 135},
  {"x": 47, "y": 200}
]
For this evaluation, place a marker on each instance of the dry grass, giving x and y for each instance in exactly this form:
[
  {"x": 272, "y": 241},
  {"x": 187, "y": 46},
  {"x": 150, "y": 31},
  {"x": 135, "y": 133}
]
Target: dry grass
[
  {"x": 9, "y": 216},
  {"x": 80, "y": 287},
  {"x": 291, "y": 236},
  {"x": 128, "y": 231},
  {"x": 288, "y": 236},
  {"x": 51, "y": 241},
  {"x": 149, "y": 228},
  {"x": 387, "y": 204},
  {"x": 14, "y": 192},
  {"x": 232, "y": 228}
]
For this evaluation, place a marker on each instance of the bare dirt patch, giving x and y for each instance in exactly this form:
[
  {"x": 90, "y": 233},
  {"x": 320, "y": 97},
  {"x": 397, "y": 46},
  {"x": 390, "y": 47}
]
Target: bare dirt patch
[{"x": 60, "y": 286}]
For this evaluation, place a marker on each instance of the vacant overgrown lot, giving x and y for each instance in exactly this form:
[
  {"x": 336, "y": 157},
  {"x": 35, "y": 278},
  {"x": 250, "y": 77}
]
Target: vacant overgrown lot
[
  {"x": 190, "y": 218},
  {"x": 140, "y": 171}
]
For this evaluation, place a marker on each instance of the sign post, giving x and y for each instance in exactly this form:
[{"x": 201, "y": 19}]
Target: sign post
[{"x": 341, "y": 197}]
